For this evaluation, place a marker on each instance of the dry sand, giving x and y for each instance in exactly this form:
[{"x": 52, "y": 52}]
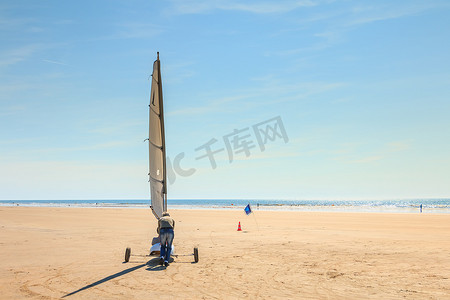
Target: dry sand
[{"x": 78, "y": 253}]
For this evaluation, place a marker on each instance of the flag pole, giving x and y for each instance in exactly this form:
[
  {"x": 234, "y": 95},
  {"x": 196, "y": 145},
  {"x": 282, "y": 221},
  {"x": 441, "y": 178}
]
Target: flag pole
[
  {"x": 248, "y": 210},
  {"x": 255, "y": 221}
]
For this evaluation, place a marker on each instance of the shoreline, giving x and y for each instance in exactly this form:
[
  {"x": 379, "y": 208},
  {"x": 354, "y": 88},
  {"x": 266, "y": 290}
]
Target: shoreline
[
  {"x": 269, "y": 208},
  {"x": 435, "y": 205}
]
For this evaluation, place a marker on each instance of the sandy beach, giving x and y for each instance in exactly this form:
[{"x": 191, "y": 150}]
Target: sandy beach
[{"x": 78, "y": 253}]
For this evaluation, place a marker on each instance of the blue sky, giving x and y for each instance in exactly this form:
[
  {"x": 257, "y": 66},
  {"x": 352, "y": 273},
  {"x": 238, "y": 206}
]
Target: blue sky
[{"x": 362, "y": 89}]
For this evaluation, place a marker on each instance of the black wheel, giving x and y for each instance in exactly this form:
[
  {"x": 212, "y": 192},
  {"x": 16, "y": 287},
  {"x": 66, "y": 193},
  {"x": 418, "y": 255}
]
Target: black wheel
[
  {"x": 196, "y": 254},
  {"x": 127, "y": 254}
]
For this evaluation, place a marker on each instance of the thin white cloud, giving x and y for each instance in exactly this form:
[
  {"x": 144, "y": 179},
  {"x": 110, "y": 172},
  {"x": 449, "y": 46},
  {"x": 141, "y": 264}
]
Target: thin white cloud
[
  {"x": 54, "y": 62},
  {"x": 100, "y": 146},
  {"x": 398, "y": 146},
  {"x": 13, "y": 56},
  {"x": 135, "y": 30},
  {"x": 178, "y": 72},
  {"x": 261, "y": 95},
  {"x": 268, "y": 7},
  {"x": 367, "y": 159},
  {"x": 17, "y": 141},
  {"x": 206, "y": 6},
  {"x": 191, "y": 111},
  {"x": 10, "y": 24},
  {"x": 89, "y": 148},
  {"x": 369, "y": 14},
  {"x": 338, "y": 23},
  {"x": 12, "y": 110},
  {"x": 212, "y": 106},
  {"x": 269, "y": 154},
  {"x": 350, "y": 150},
  {"x": 112, "y": 129}
]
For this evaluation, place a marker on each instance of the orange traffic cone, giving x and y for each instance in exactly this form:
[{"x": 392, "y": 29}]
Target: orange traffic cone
[{"x": 239, "y": 227}]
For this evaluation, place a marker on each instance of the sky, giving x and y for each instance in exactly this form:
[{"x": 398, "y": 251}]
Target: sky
[{"x": 284, "y": 99}]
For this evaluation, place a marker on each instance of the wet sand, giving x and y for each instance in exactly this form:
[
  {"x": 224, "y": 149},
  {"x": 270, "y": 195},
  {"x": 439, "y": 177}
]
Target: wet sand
[{"x": 78, "y": 253}]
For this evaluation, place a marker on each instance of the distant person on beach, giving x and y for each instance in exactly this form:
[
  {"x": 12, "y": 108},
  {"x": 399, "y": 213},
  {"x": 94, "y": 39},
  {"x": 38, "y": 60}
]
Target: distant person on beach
[
  {"x": 165, "y": 229},
  {"x": 420, "y": 207}
]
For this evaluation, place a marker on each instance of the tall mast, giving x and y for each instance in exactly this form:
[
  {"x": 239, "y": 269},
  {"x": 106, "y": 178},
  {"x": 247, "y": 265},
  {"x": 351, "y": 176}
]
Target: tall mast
[{"x": 163, "y": 135}]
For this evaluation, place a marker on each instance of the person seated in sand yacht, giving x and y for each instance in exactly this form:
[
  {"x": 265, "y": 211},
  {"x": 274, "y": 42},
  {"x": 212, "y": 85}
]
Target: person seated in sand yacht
[{"x": 166, "y": 226}]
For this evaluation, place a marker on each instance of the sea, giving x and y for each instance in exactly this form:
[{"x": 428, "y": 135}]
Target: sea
[{"x": 438, "y": 205}]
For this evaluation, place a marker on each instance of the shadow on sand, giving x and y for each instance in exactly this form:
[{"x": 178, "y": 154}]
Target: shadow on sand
[{"x": 152, "y": 265}]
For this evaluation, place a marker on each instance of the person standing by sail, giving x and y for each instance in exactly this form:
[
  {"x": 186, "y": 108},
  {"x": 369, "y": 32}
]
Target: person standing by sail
[{"x": 166, "y": 225}]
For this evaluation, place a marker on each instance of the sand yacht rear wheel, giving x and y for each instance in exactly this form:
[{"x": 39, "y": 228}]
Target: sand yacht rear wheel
[{"x": 196, "y": 254}]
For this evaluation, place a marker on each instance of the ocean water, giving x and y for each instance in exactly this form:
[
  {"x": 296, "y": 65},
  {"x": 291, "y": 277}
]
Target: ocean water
[{"x": 386, "y": 206}]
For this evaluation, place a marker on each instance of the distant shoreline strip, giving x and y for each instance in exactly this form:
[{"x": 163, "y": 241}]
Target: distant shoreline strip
[{"x": 394, "y": 206}]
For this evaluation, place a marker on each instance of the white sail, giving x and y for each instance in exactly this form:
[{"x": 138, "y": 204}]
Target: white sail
[{"x": 157, "y": 148}]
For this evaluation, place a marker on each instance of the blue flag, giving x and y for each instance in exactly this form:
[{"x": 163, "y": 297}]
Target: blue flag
[{"x": 248, "y": 210}]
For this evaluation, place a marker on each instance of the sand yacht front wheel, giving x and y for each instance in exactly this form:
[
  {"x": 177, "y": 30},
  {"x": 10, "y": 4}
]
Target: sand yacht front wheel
[{"x": 127, "y": 254}]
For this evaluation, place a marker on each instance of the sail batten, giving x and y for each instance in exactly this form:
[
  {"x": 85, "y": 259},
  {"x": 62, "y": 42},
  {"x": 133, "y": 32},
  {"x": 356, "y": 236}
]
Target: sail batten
[
  {"x": 157, "y": 155},
  {"x": 156, "y": 113},
  {"x": 156, "y": 180},
  {"x": 159, "y": 147}
]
